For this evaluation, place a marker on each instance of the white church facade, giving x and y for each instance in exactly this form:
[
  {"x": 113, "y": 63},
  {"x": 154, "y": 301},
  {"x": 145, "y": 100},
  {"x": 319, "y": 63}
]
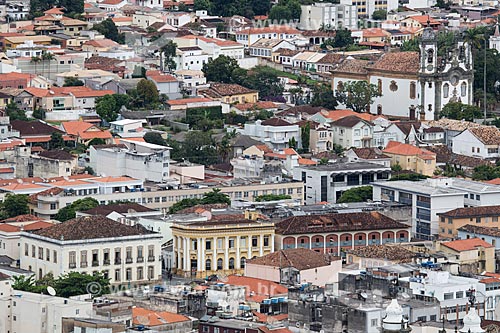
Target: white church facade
[{"x": 414, "y": 85}]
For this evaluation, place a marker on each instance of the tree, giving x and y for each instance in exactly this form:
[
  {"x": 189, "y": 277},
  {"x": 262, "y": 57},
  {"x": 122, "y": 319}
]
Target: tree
[
  {"x": 459, "y": 111},
  {"x": 280, "y": 13},
  {"x": 220, "y": 69},
  {"x": 168, "y": 52},
  {"x": 202, "y": 5},
  {"x": 396, "y": 167},
  {"x": 271, "y": 197},
  {"x": 14, "y": 113},
  {"x": 56, "y": 141},
  {"x": 261, "y": 78},
  {"x": 88, "y": 170},
  {"x": 379, "y": 15},
  {"x": 72, "y": 82},
  {"x": 108, "y": 106},
  {"x": 486, "y": 172},
  {"x": 154, "y": 138},
  {"x": 357, "y": 194},
  {"x": 39, "y": 113},
  {"x": 148, "y": 92},
  {"x": 358, "y": 95},
  {"x": 15, "y": 204},
  {"x": 109, "y": 30},
  {"x": 35, "y": 61},
  {"x": 443, "y": 4},
  {"x": 75, "y": 283},
  {"x": 69, "y": 212},
  {"x": 96, "y": 141},
  {"x": 47, "y": 57},
  {"x": 199, "y": 148},
  {"x": 410, "y": 45},
  {"x": 214, "y": 197},
  {"x": 292, "y": 143},
  {"x": 72, "y": 8},
  {"x": 305, "y": 132},
  {"x": 323, "y": 96}
]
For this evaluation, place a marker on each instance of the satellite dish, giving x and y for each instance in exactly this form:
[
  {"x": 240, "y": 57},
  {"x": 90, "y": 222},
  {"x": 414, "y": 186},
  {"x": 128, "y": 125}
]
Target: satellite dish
[
  {"x": 51, "y": 291},
  {"x": 364, "y": 295}
]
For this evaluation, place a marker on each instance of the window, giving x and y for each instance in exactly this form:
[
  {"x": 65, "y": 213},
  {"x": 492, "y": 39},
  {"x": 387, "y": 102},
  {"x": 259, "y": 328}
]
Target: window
[
  {"x": 446, "y": 90},
  {"x": 26, "y": 249},
  {"x": 494, "y": 219},
  {"x": 33, "y": 251},
  {"x": 54, "y": 255},
  {"x": 219, "y": 263},
  {"x": 379, "y": 86},
  {"x": 374, "y": 322},
  {"x": 463, "y": 89},
  {"x": 413, "y": 90},
  {"x": 242, "y": 262},
  {"x": 459, "y": 294},
  {"x": 128, "y": 274},
  {"x": 448, "y": 296},
  {"x": 140, "y": 273},
  {"x": 208, "y": 244},
  {"x": 40, "y": 253},
  {"x": 266, "y": 240},
  {"x": 422, "y": 319},
  {"x": 254, "y": 241},
  {"x": 231, "y": 243},
  {"x": 231, "y": 263},
  {"x": 208, "y": 265}
]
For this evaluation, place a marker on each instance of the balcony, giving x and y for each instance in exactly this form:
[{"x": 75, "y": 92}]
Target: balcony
[
  {"x": 72, "y": 265},
  {"x": 151, "y": 258},
  {"x": 129, "y": 261},
  {"x": 106, "y": 262},
  {"x": 359, "y": 242},
  {"x": 140, "y": 259},
  {"x": 317, "y": 245},
  {"x": 118, "y": 261},
  {"x": 374, "y": 242},
  {"x": 95, "y": 263},
  {"x": 83, "y": 265},
  {"x": 387, "y": 240},
  {"x": 346, "y": 243}
]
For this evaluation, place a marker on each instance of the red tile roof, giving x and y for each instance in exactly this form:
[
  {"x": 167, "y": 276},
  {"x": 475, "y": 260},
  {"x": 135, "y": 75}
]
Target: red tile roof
[
  {"x": 141, "y": 316},
  {"x": 185, "y": 101},
  {"x": 398, "y": 148},
  {"x": 467, "y": 244},
  {"x": 257, "y": 290},
  {"x": 85, "y": 130}
]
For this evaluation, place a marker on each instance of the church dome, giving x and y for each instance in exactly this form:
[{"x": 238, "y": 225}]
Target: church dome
[
  {"x": 428, "y": 34},
  {"x": 472, "y": 322}
]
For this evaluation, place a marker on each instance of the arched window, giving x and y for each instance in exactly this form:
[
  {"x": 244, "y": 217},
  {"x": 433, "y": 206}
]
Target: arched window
[
  {"x": 243, "y": 261},
  {"x": 379, "y": 109},
  {"x": 446, "y": 90},
  {"x": 379, "y": 86},
  {"x": 463, "y": 89},
  {"x": 208, "y": 265},
  {"x": 219, "y": 263},
  {"x": 413, "y": 90},
  {"x": 231, "y": 263},
  {"x": 430, "y": 56}
]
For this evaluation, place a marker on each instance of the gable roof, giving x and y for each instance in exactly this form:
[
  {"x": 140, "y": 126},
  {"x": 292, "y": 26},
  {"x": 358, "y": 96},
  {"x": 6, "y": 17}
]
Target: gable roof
[
  {"x": 369, "y": 153},
  {"x": 401, "y": 62},
  {"x": 394, "y": 253},
  {"x": 275, "y": 122},
  {"x": 466, "y": 244},
  {"x": 348, "y": 121},
  {"x": 488, "y": 135},
  {"x": 476, "y": 229},
  {"x": 298, "y": 258},
  {"x": 85, "y": 130},
  {"x": 257, "y": 289},
  {"x": 91, "y": 227},
  {"x": 141, "y": 316},
  {"x": 121, "y": 208},
  {"x": 33, "y": 128},
  {"x": 56, "y": 155},
  {"x": 477, "y": 211},
  {"x": 398, "y": 148},
  {"x": 336, "y": 222}
]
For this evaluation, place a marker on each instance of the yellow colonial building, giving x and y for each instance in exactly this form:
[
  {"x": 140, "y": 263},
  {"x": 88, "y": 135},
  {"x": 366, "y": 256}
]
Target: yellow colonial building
[{"x": 220, "y": 246}]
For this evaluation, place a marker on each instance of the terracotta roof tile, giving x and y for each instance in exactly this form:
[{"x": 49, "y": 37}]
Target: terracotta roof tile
[
  {"x": 488, "y": 135},
  {"x": 300, "y": 258},
  {"x": 337, "y": 222},
  {"x": 150, "y": 318},
  {"x": 91, "y": 227},
  {"x": 121, "y": 208},
  {"x": 466, "y": 244},
  {"x": 476, "y": 229},
  {"x": 401, "y": 62},
  {"x": 398, "y": 148},
  {"x": 394, "y": 253},
  {"x": 257, "y": 289}
]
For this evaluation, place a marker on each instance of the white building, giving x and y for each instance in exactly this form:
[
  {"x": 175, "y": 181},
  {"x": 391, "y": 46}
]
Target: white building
[
  {"x": 128, "y": 128},
  {"x": 333, "y": 16},
  {"x": 214, "y": 47},
  {"x": 367, "y": 7},
  {"x": 37, "y": 313},
  {"x": 274, "y": 132},
  {"x": 90, "y": 244},
  {"x": 141, "y": 160},
  {"x": 413, "y": 84},
  {"x": 190, "y": 58},
  {"x": 494, "y": 40},
  {"x": 433, "y": 196},
  {"x": 248, "y": 37},
  {"x": 326, "y": 183},
  {"x": 482, "y": 142},
  {"x": 352, "y": 131}
]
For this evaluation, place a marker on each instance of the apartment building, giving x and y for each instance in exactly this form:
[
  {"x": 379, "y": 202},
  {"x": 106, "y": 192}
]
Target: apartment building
[
  {"x": 37, "y": 313},
  {"x": 142, "y": 160},
  {"x": 451, "y": 221},
  {"x": 274, "y": 132},
  {"x": 326, "y": 183},
  {"x": 334, "y": 16},
  {"x": 47, "y": 203},
  {"x": 125, "y": 254},
  {"x": 367, "y": 7},
  {"x": 220, "y": 246}
]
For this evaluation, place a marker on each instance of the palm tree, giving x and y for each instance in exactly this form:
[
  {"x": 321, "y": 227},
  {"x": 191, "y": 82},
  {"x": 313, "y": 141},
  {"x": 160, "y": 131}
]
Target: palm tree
[
  {"x": 47, "y": 56},
  {"x": 475, "y": 37},
  {"x": 35, "y": 60}
]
